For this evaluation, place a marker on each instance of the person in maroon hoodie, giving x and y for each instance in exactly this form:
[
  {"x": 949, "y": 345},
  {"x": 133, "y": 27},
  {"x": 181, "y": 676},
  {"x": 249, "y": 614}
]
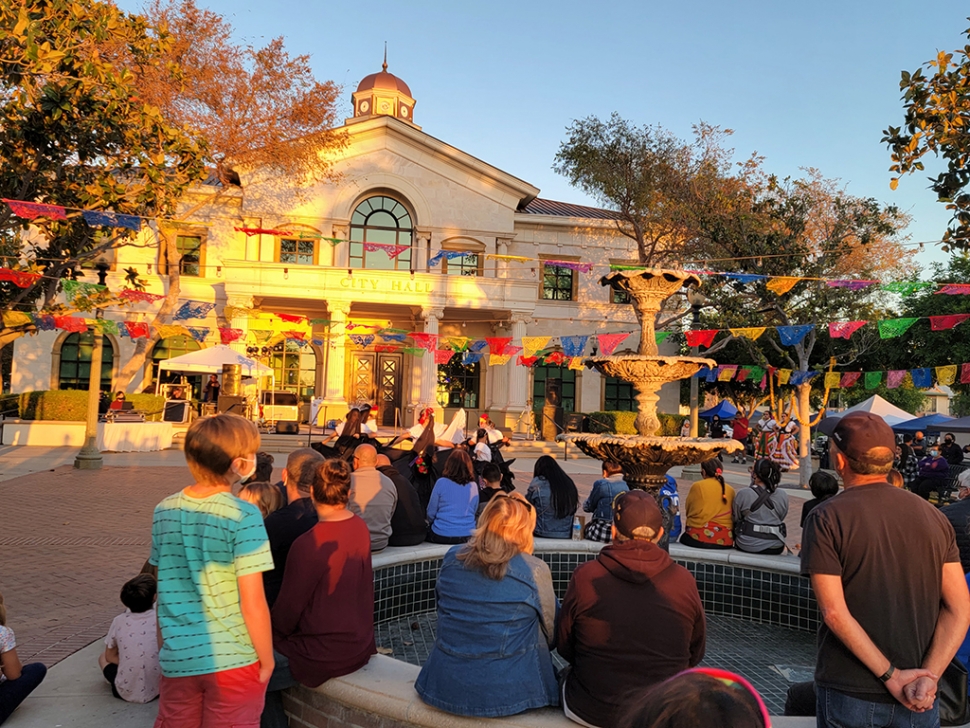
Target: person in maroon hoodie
[{"x": 630, "y": 618}]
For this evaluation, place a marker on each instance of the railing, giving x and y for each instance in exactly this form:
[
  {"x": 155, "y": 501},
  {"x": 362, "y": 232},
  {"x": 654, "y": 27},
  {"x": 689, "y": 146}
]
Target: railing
[{"x": 561, "y": 429}]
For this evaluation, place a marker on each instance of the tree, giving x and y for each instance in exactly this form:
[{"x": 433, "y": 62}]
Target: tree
[
  {"x": 74, "y": 133},
  {"x": 813, "y": 230},
  {"x": 257, "y": 110},
  {"x": 937, "y": 120}
]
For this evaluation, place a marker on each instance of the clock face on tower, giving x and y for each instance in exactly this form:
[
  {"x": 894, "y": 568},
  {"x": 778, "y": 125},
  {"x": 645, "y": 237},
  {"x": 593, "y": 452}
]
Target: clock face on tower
[
  {"x": 364, "y": 106},
  {"x": 404, "y": 111}
]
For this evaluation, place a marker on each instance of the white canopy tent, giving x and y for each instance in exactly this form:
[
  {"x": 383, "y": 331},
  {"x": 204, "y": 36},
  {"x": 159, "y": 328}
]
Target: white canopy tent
[
  {"x": 210, "y": 361},
  {"x": 892, "y": 414}
]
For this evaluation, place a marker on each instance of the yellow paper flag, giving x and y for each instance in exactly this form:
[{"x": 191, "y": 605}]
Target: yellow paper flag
[
  {"x": 166, "y": 330},
  {"x": 946, "y": 375},
  {"x": 833, "y": 379},
  {"x": 576, "y": 363},
  {"x": 784, "y": 375},
  {"x": 16, "y": 318},
  {"x": 751, "y": 332},
  {"x": 726, "y": 373},
  {"x": 781, "y": 285},
  {"x": 497, "y": 360},
  {"x": 532, "y": 344}
]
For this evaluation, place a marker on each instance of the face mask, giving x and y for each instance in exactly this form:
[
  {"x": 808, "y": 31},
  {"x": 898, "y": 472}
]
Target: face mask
[
  {"x": 934, "y": 453},
  {"x": 249, "y": 473},
  {"x": 948, "y": 441}
]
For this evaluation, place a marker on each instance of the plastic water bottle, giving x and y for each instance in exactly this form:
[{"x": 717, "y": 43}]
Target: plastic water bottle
[{"x": 577, "y": 529}]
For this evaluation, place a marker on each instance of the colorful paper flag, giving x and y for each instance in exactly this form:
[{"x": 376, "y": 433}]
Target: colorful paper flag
[
  {"x": 573, "y": 346},
  {"x": 526, "y": 361},
  {"x": 446, "y": 255},
  {"x": 362, "y": 340},
  {"x": 852, "y": 285},
  {"x": 784, "y": 376},
  {"x": 954, "y": 289},
  {"x": 139, "y": 296},
  {"x": 69, "y": 323},
  {"x": 873, "y": 379},
  {"x": 497, "y": 360},
  {"x": 833, "y": 380},
  {"x": 193, "y": 310},
  {"x": 134, "y": 329},
  {"x": 942, "y": 323},
  {"x": 965, "y": 374},
  {"x": 227, "y": 335},
  {"x": 749, "y": 332},
  {"x": 946, "y": 375},
  {"x": 294, "y": 335},
  {"x": 496, "y": 345},
  {"x": 471, "y": 357},
  {"x": 744, "y": 277},
  {"x": 556, "y": 358},
  {"x": 845, "y": 329},
  {"x": 726, "y": 372},
  {"x": 20, "y": 278},
  {"x": 532, "y": 344},
  {"x": 849, "y": 379},
  {"x": 16, "y": 318},
  {"x": 570, "y": 265},
  {"x": 199, "y": 333},
  {"x": 609, "y": 342},
  {"x": 895, "y": 377},
  {"x": 31, "y": 210},
  {"x": 661, "y": 336},
  {"x": 443, "y": 356},
  {"x": 704, "y": 337},
  {"x": 166, "y": 331},
  {"x": 111, "y": 219},
  {"x": 906, "y": 288},
  {"x": 392, "y": 251},
  {"x": 250, "y": 231},
  {"x": 891, "y": 328},
  {"x": 793, "y": 335},
  {"x": 922, "y": 378},
  {"x": 428, "y": 342},
  {"x": 782, "y": 284},
  {"x": 799, "y": 378},
  {"x": 576, "y": 363}
]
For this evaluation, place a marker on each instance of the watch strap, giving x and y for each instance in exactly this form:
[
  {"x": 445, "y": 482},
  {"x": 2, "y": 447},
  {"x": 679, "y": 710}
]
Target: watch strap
[{"x": 887, "y": 676}]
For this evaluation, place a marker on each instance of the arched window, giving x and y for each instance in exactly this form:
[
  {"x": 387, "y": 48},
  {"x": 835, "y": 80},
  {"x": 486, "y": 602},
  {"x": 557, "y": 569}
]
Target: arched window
[
  {"x": 295, "y": 368},
  {"x": 169, "y": 348},
  {"x": 380, "y": 220},
  {"x": 75, "y": 367}
]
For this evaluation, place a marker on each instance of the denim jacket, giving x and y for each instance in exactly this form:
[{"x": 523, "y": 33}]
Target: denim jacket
[
  {"x": 600, "y": 501},
  {"x": 539, "y": 495},
  {"x": 491, "y": 655}
]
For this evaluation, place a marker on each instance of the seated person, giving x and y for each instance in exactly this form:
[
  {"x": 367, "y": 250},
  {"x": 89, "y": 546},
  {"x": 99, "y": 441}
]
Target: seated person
[
  {"x": 670, "y": 502},
  {"x": 295, "y": 518},
  {"x": 373, "y": 496},
  {"x": 554, "y": 496},
  {"x": 19, "y": 680},
  {"x": 409, "y": 526},
  {"x": 265, "y": 496},
  {"x": 759, "y": 511},
  {"x": 496, "y": 609},
  {"x": 933, "y": 472},
  {"x": 323, "y": 621},
  {"x": 823, "y": 486},
  {"x": 950, "y": 451},
  {"x": 119, "y": 401},
  {"x": 491, "y": 486},
  {"x": 704, "y": 696},
  {"x": 264, "y": 470},
  {"x": 600, "y": 502},
  {"x": 709, "y": 522},
  {"x": 130, "y": 658},
  {"x": 454, "y": 500},
  {"x": 631, "y": 617}
]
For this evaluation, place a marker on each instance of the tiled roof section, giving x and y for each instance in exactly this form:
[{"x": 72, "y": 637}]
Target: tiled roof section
[{"x": 539, "y": 206}]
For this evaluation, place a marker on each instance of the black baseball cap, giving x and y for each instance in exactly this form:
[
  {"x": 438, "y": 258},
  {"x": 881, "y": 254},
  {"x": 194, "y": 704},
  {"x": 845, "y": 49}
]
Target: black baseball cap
[
  {"x": 858, "y": 433},
  {"x": 634, "y": 510}
]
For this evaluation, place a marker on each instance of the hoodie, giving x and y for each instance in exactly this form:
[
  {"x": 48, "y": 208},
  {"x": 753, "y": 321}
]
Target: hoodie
[{"x": 631, "y": 618}]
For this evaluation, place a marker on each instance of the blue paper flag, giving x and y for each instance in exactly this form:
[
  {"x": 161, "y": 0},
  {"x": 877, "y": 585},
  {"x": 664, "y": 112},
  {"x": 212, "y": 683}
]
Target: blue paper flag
[
  {"x": 801, "y": 378},
  {"x": 111, "y": 219},
  {"x": 792, "y": 335},
  {"x": 449, "y": 254},
  {"x": 193, "y": 310},
  {"x": 744, "y": 277},
  {"x": 477, "y": 345},
  {"x": 471, "y": 357},
  {"x": 362, "y": 341},
  {"x": 922, "y": 378},
  {"x": 397, "y": 338},
  {"x": 573, "y": 345},
  {"x": 199, "y": 333}
]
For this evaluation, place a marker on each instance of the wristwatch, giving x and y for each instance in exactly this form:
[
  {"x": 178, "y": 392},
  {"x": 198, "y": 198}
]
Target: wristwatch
[{"x": 886, "y": 676}]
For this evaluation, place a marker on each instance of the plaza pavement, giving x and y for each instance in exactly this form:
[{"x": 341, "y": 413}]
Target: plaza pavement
[{"x": 71, "y": 538}]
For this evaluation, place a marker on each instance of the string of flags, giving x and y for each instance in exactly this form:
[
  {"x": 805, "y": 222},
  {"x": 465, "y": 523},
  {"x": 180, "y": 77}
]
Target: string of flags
[{"x": 921, "y": 377}]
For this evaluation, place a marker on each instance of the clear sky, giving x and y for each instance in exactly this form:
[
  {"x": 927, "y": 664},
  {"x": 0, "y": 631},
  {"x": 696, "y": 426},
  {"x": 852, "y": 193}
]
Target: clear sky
[{"x": 809, "y": 84}]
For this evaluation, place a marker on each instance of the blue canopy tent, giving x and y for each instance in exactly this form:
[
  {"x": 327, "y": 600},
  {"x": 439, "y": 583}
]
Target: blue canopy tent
[
  {"x": 925, "y": 422},
  {"x": 960, "y": 425},
  {"x": 723, "y": 409}
]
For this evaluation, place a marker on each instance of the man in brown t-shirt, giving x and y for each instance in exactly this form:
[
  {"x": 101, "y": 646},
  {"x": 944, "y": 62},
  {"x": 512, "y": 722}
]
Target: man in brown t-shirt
[{"x": 886, "y": 573}]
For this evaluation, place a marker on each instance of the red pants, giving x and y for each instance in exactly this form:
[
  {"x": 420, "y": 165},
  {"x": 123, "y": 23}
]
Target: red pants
[{"x": 227, "y": 699}]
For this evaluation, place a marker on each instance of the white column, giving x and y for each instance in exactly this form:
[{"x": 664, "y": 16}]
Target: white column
[
  {"x": 502, "y": 266},
  {"x": 429, "y": 371},
  {"x": 240, "y": 321},
  {"x": 423, "y": 240},
  {"x": 517, "y": 378},
  {"x": 341, "y": 251},
  {"x": 336, "y": 355}
]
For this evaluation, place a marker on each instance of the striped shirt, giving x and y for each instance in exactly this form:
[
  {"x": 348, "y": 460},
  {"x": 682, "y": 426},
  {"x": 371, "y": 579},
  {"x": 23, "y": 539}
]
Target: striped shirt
[{"x": 201, "y": 547}]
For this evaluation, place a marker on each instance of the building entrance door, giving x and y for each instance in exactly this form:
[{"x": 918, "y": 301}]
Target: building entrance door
[{"x": 377, "y": 379}]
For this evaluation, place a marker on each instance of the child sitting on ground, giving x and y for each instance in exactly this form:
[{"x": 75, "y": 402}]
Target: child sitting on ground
[
  {"x": 16, "y": 681},
  {"x": 211, "y": 549},
  {"x": 130, "y": 658}
]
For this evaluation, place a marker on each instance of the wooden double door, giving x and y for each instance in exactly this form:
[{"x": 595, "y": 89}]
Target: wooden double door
[{"x": 377, "y": 378}]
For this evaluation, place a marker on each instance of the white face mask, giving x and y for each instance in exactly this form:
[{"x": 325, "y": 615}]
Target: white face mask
[{"x": 249, "y": 473}]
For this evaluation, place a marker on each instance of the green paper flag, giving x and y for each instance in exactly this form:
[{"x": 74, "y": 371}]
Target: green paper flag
[
  {"x": 320, "y": 322},
  {"x": 414, "y": 350},
  {"x": 906, "y": 288},
  {"x": 662, "y": 336},
  {"x": 891, "y": 328},
  {"x": 873, "y": 379}
]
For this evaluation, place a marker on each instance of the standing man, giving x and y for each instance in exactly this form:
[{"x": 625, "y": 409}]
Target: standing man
[
  {"x": 211, "y": 393},
  {"x": 919, "y": 446},
  {"x": 739, "y": 432},
  {"x": 373, "y": 496},
  {"x": 886, "y": 572}
]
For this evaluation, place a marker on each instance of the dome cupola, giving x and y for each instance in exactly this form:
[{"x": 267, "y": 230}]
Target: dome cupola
[{"x": 383, "y": 94}]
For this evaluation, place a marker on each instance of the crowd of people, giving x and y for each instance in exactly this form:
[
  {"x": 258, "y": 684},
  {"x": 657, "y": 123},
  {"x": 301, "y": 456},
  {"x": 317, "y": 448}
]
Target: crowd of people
[{"x": 254, "y": 594}]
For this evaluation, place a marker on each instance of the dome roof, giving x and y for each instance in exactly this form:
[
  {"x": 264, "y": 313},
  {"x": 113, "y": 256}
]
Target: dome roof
[{"x": 383, "y": 80}]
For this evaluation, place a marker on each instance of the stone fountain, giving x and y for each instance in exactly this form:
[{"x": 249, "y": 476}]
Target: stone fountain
[{"x": 646, "y": 457}]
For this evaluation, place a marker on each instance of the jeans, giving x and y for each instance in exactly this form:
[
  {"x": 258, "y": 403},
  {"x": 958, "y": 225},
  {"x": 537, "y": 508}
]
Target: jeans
[
  {"x": 13, "y": 692},
  {"x": 838, "y": 710},
  {"x": 273, "y": 715}
]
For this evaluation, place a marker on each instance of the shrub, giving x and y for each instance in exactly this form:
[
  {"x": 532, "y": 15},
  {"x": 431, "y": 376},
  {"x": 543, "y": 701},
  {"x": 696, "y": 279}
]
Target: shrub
[
  {"x": 150, "y": 404},
  {"x": 71, "y": 405},
  {"x": 624, "y": 423},
  {"x": 670, "y": 424}
]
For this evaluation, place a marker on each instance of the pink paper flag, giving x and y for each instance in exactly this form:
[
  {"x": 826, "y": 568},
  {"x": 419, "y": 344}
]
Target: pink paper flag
[
  {"x": 954, "y": 289},
  {"x": 443, "y": 356},
  {"x": 229, "y": 335},
  {"x": 844, "y": 329},
  {"x": 498, "y": 345},
  {"x": 609, "y": 342},
  {"x": 30, "y": 210},
  {"x": 895, "y": 377},
  {"x": 965, "y": 374},
  {"x": 392, "y": 250},
  {"x": 941, "y": 323},
  {"x": 526, "y": 361},
  {"x": 139, "y": 296},
  {"x": 849, "y": 379},
  {"x": 703, "y": 337},
  {"x": 428, "y": 342}
]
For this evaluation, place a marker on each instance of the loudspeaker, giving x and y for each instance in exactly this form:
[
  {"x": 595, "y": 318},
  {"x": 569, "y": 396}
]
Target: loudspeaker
[
  {"x": 231, "y": 380},
  {"x": 232, "y": 405},
  {"x": 176, "y": 410},
  {"x": 287, "y": 427}
]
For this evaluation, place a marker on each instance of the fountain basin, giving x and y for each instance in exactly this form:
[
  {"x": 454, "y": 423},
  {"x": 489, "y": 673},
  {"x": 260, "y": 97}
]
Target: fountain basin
[
  {"x": 645, "y": 368},
  {"x": 647, "y": 459}
]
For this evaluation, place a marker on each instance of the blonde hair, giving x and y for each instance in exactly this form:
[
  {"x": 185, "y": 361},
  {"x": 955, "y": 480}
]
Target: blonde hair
[
  {"x": 212, "y": 443},
  {"x": 504, "y": 531},
  {"x": 265, "y": 496},
  {"x": 3, "y": 612}
]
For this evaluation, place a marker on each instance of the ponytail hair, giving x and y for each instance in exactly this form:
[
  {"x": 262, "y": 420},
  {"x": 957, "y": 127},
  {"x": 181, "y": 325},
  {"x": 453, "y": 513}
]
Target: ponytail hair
[
  {"x": 769, "y": 473},
  {"x": 712, "y": 469}
]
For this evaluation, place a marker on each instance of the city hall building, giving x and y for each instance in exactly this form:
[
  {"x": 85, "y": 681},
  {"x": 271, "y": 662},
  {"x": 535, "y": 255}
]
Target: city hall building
[{"x": 398, "y": 186}]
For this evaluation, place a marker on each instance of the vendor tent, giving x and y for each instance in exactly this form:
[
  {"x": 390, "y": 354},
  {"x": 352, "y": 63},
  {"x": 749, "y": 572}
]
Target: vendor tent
[
  {"x": 960, "y": 425},
  {"x": 723, "y": 409},
  {"x": 923, "y": 423},
  {"x": 211, "y": 360},
  {"x": 892, "y": 414}
]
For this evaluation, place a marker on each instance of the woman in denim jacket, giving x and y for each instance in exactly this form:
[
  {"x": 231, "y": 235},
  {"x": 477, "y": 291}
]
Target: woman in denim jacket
[
  {"x": 554, "y": 496},
  {"x": 600, "y": 502},
  {"x": 496, "y": 615}
]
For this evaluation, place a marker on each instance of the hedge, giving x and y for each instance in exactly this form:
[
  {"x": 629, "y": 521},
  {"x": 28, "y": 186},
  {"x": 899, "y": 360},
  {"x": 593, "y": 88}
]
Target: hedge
[
  {"x": 623, "y": 423},
  {"x": 71, "y": 405}
]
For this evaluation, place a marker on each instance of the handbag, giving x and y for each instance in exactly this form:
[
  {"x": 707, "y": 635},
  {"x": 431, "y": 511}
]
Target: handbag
[{"x": 952, "y": 694}]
